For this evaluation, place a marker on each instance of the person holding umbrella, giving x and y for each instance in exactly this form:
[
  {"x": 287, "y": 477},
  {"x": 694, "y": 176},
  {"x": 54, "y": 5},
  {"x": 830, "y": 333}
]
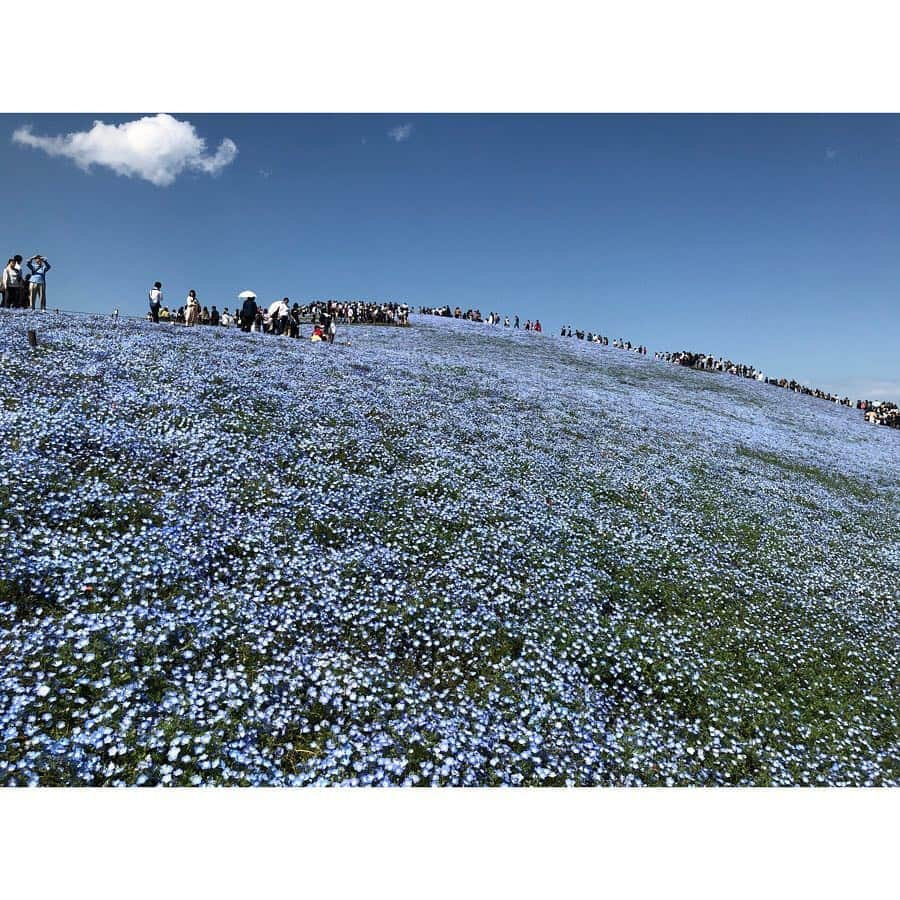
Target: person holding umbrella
[{"x": 248, "y": 310}]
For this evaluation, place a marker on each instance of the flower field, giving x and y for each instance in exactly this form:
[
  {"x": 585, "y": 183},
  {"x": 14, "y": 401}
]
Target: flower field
[{"x": 449, "y": 554}]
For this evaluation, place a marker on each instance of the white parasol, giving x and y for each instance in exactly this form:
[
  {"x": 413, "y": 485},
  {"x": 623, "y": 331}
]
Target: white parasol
[{"x": 243, "y": 295}]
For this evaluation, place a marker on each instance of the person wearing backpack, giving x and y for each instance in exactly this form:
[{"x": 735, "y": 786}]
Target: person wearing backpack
[{"x": 156, "y": 298}]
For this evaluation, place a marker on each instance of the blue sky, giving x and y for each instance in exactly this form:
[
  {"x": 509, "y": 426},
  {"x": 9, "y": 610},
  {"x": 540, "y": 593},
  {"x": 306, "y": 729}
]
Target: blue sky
[{"x": 769, "y": 239}]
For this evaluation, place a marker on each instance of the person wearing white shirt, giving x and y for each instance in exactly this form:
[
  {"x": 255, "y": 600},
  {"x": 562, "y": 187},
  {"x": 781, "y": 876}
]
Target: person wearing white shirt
[
  {"x": 11, "y": 283},
  {"x": 156, "y": 299}
]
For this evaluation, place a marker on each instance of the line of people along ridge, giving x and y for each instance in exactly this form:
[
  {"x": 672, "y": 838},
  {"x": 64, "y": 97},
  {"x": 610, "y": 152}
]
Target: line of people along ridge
[{"x": 28, "y": 290}]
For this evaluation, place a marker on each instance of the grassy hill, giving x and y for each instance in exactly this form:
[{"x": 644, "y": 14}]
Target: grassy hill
[{"x": 450, "y": 554}]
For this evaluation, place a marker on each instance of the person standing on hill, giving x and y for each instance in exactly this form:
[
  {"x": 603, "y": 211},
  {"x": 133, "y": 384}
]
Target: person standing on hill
[
  {"x": 38, "y": 268},
  {"x": 156, "y": 298},
  {"x": 11, "y": 283},
  {"x": 191, "y": 308},
  {"x": 282, "y": 315},
  {"x": 248, "y": 314}
]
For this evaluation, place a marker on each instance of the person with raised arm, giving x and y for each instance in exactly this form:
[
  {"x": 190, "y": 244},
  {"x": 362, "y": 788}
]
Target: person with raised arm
[{"x": 38, "y": 268}]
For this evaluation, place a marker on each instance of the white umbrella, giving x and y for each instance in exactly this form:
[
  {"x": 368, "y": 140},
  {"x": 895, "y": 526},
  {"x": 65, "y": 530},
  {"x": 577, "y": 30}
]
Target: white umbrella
[
  {"x": 275, "y": 308},
  {"x": 243, "y": 295}
]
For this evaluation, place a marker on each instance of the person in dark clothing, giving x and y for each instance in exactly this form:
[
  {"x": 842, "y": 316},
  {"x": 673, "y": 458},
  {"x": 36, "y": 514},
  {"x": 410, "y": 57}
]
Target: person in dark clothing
[
  {"x": 248, "y": 313},
  {"x": 214, "y": 316}
]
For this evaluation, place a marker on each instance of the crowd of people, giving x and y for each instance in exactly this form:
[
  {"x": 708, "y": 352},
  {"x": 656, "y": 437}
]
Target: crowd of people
[
  {"x": 878, "y": 413},
  {"x": 474, "y": 315},
  {"x": 280, "y": 317},
  {"x": 710, "y": 363},
  {"x": 603, "y": 340},
  {"x": 28, "y": 290},
  {"x": 883, "y": 413},
  {"x": 24, "y": 290},
  {"x": 494, "y": 318}
]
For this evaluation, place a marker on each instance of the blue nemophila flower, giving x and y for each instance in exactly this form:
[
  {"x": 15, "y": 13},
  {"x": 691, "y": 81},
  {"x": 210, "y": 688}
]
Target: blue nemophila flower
[{"x": 362, "y": 581}]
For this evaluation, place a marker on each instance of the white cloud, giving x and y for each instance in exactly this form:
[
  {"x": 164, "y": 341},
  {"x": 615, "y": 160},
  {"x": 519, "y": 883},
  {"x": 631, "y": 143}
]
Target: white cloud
[
  {"x": 401, "y": 132},
  {"x": 156, "y": 148}
]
